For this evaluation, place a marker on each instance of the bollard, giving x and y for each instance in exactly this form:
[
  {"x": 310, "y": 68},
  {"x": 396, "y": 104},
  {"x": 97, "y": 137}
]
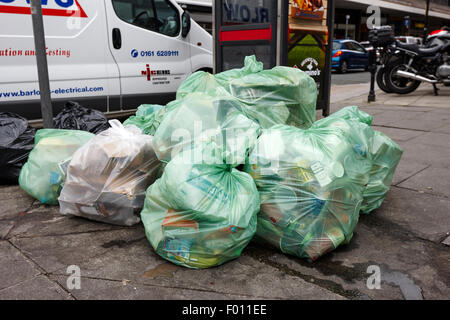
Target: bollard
[
  {"x": 41, "y": 59},
  {"x": 373, "y": 70}
]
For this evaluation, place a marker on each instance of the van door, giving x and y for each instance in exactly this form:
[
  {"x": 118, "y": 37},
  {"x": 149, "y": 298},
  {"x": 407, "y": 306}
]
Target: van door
[
  {"x": 81, "y": 67},
  {"x": 146, "y": 42}
]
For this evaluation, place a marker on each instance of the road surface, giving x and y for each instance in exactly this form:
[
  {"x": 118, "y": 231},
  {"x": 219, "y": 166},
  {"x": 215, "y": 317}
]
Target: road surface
[{"x": 351, "y": 77}]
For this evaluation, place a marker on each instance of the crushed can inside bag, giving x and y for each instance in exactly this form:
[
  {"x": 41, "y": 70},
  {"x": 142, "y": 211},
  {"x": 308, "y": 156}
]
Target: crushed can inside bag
[{"x": 107, "y": 177}]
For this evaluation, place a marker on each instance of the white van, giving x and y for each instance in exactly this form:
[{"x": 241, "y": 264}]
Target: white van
[{"x": 111, "y": 55}]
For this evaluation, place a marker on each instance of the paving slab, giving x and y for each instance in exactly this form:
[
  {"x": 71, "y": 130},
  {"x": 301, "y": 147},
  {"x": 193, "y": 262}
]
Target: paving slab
[
  {"x": 5, "y": 228},
  {"x": 14, "y": 201},
  {"x": 37, "y": 288},
  {"x": 404, "y": 109},
  {"x": 424, "y": 215},
  {"x": 416, "y": 124},
  {"x": 16, "y": 268},
  {"x": 58, "y": 252},
  {"x": 47, "y": 221},
  {"x": 389, "y": 118},
  {"x": 99, "y": 289},
  {"x": 441, "y": 101},
  {"x": 410, "y": 269},
  {"x": 431, "y": 180},
  {"x": 407, "y": 169},
  {"x": 446, "y": 241},
  {"x": 398, "y": 134},
  {"x": 433, "y": 115},
  {"x": 440, "y": 140},
  {"x": 245, "y": 276},
  {"x": 443, "y": 129},
  {"x": 425, "y": 154}
]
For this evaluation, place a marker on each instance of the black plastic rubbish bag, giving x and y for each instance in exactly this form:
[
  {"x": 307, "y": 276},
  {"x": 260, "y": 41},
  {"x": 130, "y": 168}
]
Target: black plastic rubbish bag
[
  {"x": 76, "y": 117},
  {"x": 16, "y": 142}
]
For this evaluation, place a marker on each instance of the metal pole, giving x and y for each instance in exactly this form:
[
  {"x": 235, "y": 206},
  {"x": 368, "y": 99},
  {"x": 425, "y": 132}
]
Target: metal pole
[
  {"x": 373, "y": 70},
  {"x": 42, "y": 67},
  {"x": 427, "y": 21},
  {"x": 346, "y": 25}
]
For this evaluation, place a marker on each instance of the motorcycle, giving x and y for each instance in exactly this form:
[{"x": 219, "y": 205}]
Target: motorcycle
[
  {"x": 383, "y": 60},
  {"x": 409, "y": 64}
]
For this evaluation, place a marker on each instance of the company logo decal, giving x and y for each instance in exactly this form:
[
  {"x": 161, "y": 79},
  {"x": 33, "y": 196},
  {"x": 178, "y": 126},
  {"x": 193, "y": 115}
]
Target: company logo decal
[
  {"x": 149, "y": 73},
  {"x": 312, "y": 67},
  {"x": 134, "y": 53},
  {"x": 59, "y": 8}
]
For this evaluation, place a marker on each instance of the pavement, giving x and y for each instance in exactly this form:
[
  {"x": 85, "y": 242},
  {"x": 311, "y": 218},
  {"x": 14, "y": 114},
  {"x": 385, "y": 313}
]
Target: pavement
[{"x": 407, "y": 240}]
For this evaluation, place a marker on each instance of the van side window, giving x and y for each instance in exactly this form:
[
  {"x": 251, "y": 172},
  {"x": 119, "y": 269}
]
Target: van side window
[{"x": 155, "y": 15}]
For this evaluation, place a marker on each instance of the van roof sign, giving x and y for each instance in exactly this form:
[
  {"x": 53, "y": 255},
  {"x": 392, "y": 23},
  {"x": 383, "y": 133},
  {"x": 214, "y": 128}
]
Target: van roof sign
[{"x": 59, "y": 8}]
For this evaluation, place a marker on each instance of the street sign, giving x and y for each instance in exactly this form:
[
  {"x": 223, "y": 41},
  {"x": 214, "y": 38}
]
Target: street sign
[{"x": 243, "y": 29}]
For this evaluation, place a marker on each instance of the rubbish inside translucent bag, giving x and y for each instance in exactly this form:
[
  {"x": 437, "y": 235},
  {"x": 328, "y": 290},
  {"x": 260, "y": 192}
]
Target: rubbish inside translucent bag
[
  {"x": 107, "y": 177},
  {"x": 148, "y": 118},
  {"x": 385, "y": 154},
  {"x": 311, "y": 184},
  {"x": 200, "y": 215},
  {"x": 201, "y": 118},
  {"x": 281, "y": 95},
  {"x": 41, "y": 177}
]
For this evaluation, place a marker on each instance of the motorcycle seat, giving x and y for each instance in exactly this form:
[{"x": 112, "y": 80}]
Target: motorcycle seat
[{"x": 420, "y": 50}]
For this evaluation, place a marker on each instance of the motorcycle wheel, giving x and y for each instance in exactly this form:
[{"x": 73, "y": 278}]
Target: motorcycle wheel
[
  {"x": 380, "y": 80},
  {"x": 398, "y": 84}
]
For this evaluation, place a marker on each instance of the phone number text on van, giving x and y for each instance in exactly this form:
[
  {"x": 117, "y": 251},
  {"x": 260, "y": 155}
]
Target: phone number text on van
[{"x": 159, "y": 53}]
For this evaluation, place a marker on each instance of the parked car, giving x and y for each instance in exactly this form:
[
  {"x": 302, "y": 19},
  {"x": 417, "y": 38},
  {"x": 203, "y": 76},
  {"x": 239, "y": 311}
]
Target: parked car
[{"x": 349, "y": 54}]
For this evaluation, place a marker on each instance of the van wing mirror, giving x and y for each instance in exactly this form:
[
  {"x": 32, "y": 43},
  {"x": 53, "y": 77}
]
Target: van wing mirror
[{"x": 185, "y": 24}]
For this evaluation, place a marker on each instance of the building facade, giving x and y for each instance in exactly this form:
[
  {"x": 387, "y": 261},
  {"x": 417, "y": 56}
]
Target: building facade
[{"x": 407, "y": 17}]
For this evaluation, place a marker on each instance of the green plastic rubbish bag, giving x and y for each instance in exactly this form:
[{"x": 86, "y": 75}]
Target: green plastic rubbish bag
[
  {"x": 203, "y": 118},
  {"x": 107, "y": 178},
  {"x": 385, "y": 154},
  {"x": 200, "y": 215},
  {"x": 148, "y": 118},
  {"x": 281, "y": 95},
  {"x": 199, "y": 81},
  {"x": 311, "y": 184},
  {"x": 354, "y": 114},
  {"x": 43, "y": 175}
]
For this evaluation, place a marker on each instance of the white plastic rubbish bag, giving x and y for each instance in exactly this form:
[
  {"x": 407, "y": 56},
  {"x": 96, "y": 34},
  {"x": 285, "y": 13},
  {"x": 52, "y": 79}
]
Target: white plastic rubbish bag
[{"x": 107, "y": 177}]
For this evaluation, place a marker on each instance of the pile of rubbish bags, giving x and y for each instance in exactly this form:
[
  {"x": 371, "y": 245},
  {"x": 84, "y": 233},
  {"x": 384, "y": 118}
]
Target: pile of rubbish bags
[{"x": 237, "y": 156}]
